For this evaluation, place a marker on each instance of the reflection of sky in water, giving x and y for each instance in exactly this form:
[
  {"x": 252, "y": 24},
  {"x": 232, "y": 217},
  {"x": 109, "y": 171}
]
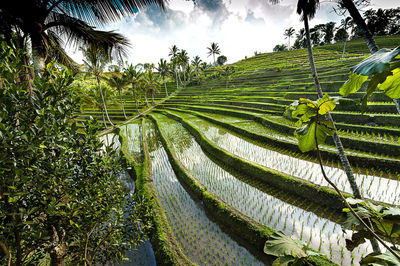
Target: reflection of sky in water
[
  {"x": 133, "y": 134},
  {"x": 192, "y": 228},
  {"x": 373, "y": 187},
  {"x": 319, "y": 233}
]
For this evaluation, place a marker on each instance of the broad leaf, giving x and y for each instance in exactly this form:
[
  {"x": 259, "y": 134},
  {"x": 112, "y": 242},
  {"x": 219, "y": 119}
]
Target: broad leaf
[
  {"x": 391, "y": 86},
  {"x": 280, "y": 245},
  {"x": 305, "y": 136},
  {"x": 385, "y": 259},
  {"x": 353, "y": 84},
  {"x": 376, "y": 63},
  {"x": 325, "y": 105}
]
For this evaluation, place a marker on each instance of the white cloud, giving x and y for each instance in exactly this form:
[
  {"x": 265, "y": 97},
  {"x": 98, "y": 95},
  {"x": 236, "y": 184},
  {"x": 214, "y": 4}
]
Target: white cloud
[{"x": 240, "y": 27}]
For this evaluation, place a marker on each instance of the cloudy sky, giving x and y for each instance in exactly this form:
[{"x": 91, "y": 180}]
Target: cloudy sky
[{"x": 240, "y": 27}]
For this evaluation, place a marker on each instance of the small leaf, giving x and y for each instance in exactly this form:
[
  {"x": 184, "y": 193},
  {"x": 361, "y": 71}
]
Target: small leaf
[
  {"x": 391, "y": 86},
  {"x": 353, "y": 84},
  {"x": 325, "y": 105},
  {"x": 385, "y": 259},
  {"x": 376, "y": 63}
]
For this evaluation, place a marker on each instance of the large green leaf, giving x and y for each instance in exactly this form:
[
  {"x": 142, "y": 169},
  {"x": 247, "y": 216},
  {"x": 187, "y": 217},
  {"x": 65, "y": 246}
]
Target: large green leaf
[
  {"x": 280, "y": 245},
  {"x": 353, "y": 84},
  {"x": 385, "y": 259},
  {"x": 376, "y": 63},
  {"x": 305, "y": 136},
  {"x": 325, "y": 105},
  {"x": 391, "y": 86}
]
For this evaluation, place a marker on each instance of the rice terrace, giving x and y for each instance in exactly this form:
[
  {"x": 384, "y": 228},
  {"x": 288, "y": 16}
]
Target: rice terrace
[{"x": 200, "y": 132}]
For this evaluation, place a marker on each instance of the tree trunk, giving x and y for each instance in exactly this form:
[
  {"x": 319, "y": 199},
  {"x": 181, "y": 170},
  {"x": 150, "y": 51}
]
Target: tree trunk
[
  {"x": 344, "y": 50},
  {"x": 166, "y": 91},
  {"x": 339, "y": 146},
  {"x": 338, "y": 143},
  {"x": 123, "y": 109},
  {"x": 104, "y": 103},
  {"x": 104, "y": 119},
  {"x": 369, "y": 39},
  {"x": 184, "y": 75},
  {"x": 152, "y": 96},
  {"x": 37, "y": 55},
  {"x": 176, "y": 78},
  {"x": 145, "y": 97}
]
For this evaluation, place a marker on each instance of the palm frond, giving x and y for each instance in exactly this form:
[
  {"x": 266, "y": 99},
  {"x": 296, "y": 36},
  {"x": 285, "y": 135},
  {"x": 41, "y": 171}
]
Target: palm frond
[
  {"x": 100, "y": 12},
  {"x": 56, "y": 52}
]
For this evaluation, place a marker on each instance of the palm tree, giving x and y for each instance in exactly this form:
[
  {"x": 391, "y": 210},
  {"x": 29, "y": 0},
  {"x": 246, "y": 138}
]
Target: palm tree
[
  {"x": 93, "y": 98},
  {"x": 288, "y": 34},
  {"x": 163, "y": 70},
  {"x": 344, "y": 23},
  {"x": 134, "y": 77},
  {"x": 118, "y": 81},
  {"x": 151, "y": 83},
  {"x": 196, "y": 63},
  {"x": 213, "y": 50},
  {"x": 307, "y": 9},
  {"x": 45, "y": 22},
  {"x": 362, "y": 26},
  {"x": 95, "y": 59},
  {"x": 183, "y": 60},
  {"x": 173, "y": 53}
]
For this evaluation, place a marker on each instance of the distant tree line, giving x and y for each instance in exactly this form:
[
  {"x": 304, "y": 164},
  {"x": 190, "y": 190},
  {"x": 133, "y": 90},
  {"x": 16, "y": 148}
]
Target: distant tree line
[{"x": 379, "y": 22}]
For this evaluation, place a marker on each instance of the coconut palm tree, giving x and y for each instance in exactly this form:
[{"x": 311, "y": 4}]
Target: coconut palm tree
[
  {"x": 93, "y": 98},
  {"x": 344, "y": 23},
  {"x": 362, "y": 26},
  {"x": 288, "y": 34},
  {"x": 44, "y": 23},
  {"x": 183, "y": 60},
  {"x": 307, "y": 9},
  {"x": 119, "y": 82},
  {"x": 173, "y": 53},
  {"x": 213, "y": 50},
  {"x": 134, "y": 77},
  {"x": 151, "y": 83},
  {"x": 95, "y": 59},
  {"x": 163, "y": 70},
  {"x": 196, "y": 63}
]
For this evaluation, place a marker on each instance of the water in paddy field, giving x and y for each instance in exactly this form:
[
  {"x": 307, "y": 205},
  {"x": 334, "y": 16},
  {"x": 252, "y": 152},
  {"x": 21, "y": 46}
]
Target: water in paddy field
[
  {"x": 143, "y": 254},
  {"x": 319, "y": 233},
  {"x": 372, "y": 187},
  {"x": 133, "y": 133},
  {"x": 201, "y": 240}
]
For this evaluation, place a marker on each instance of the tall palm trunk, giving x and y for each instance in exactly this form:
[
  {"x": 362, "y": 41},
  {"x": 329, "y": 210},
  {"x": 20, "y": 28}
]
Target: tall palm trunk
[
  {"x": 136, "y": 102},
  {"x": 338, "y": 143},
  {"x": 152, "y": 96},
  {"x": 339, "y": 146},
  {"x": 214, "y": 58},
  {"x": 104, "y": 119},
  {"x": 184, "y": 75},
  {"x": 104, "y": 103},
  {"x": 165, "y": 85},
  {"x": 176, "y": 78},
  {"x": 145, "y": 97},
  {"x": 123, "y": 109},
  {"x": 37, "y": 54},
  {"x": 344, "y": 50},
  {"x": 369, "y": 39}
]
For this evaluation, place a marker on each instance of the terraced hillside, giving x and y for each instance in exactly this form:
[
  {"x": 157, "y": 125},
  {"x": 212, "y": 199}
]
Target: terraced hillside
[{"x": 221, "y": 165}]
